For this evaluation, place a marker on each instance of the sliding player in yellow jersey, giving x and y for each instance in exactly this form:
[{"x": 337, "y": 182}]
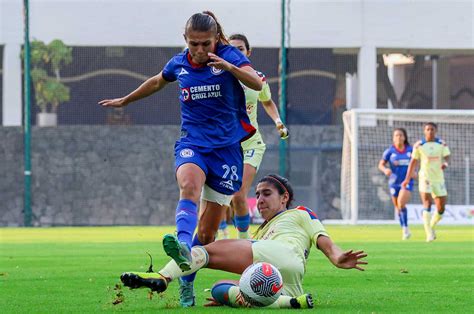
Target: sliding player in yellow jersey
[
  {"x": 254, "y": 147},
  {"x": 432, "y": 155},
  {"x": 283, "y": 240}
]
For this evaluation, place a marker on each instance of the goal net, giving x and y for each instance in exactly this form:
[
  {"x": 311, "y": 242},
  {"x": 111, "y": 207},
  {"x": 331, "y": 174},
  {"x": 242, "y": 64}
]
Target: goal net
[{"x": 365, "y": 195}]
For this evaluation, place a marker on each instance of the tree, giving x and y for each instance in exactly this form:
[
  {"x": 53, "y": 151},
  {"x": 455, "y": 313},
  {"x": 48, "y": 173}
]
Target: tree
[{"x": 46, "y": 62}]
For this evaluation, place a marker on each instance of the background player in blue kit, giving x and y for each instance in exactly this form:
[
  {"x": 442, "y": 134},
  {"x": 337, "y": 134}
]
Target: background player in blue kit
[
  {"x": 398, "y": 156},
  {"x": 213, "y": 123}
]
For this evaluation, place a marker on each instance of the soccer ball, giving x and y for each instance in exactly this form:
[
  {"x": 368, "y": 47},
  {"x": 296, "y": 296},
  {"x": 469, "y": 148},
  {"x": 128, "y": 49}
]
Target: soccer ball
[{"x": 261, "y": 284}]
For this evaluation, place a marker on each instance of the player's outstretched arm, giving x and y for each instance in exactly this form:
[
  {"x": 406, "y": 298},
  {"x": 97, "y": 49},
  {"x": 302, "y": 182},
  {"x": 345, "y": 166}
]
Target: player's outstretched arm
[
  {"x": 272, "y": 111},
  {"x": 246, "y": 74},
  {"x": 346, "y": 260},
  {"x": 150, "y": 86}
]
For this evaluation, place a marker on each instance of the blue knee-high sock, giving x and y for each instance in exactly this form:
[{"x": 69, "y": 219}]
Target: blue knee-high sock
[
  {"x": 404, "y": 214},
  {"x": 190, "y": 278},
  {"x": 400, "y": 218},
  {"x": 220, "y": 292},
  {"x": 186, "y": 220},
  {"x": 242, "y": 222}
]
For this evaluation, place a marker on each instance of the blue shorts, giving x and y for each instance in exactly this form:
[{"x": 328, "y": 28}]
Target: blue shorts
[
  {"x": 395, "y": 188},
  {"x": 223, "y": 166}
]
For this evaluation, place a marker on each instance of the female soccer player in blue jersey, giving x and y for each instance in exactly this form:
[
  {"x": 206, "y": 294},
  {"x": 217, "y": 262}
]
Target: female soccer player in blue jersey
[
  {"x": 397, "y": 156},
  {"x": 283, "y": 240},
  {"x": 213, "y": 123},
  {"x": 254, "y": 147}
]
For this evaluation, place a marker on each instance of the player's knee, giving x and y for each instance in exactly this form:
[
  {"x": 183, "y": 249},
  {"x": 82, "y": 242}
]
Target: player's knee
[
  {"x": 206, "y": 236},
  {"x": 189, "y": 189}
]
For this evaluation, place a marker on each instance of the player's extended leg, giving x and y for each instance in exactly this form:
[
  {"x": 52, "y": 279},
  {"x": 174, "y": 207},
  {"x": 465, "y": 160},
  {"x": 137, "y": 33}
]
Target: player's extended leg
[
  {"x": 190, "y": 179},
  {"x": 440, "y": 195},
  {"x": 426, "y": 200},
  {"x": 227, "y": 292},
  {"x": 440, "y": 203},
  {"x": 397, "y": 210},
  {"x": 239, "y": 202},
  {"x": 210, "y": 216},
  {"x": 227, "y": 255},
  {"x": 403, "y": 198}
]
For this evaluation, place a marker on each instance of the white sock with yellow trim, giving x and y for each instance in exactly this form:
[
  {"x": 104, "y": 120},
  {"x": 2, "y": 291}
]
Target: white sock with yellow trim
[
  {"x": 435, "y": 219},
  {"x": 426, "y": 221}
]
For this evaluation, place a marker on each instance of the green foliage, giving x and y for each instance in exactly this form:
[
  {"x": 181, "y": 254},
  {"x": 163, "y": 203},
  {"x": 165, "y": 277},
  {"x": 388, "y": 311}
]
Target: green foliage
[{"x": 46, "y": 62}]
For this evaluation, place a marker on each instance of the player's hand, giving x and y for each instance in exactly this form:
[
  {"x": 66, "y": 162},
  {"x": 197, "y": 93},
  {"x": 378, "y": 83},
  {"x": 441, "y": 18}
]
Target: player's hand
[
  {"x": 212, "y": 302},
  {"x": 218, "y": 62},
  {"x": 281, "y": 128},
  {"x": 444, "y": 165},
  {"x": 116, "y": 102},
  {"x": 350, "y": 259},
  {"x": 387, "y": 172},
  {"x": 405, "y": 183}
]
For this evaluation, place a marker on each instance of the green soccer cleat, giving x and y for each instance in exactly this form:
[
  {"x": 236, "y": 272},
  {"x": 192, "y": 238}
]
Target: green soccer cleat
[
  {"x": 154, "y": 281},
  {"x": 186, "y": 293},
  {"x": 304, "y": 301},
  {"x": 178, "y": 251}
]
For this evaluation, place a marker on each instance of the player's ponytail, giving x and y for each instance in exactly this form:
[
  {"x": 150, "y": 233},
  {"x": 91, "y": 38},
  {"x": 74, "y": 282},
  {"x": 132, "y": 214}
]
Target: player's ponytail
[
  {"x": 205, "y": 22},
  {"x": 281, "y": 184},
  {"x": 220, "y": 31}
]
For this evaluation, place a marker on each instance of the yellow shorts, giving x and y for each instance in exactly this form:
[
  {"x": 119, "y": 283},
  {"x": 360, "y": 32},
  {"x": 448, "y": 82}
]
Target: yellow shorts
[
  {"x": 254, "y": 156},
  {"x": 436, "y": 189},
  {"x": 286, "y": 259}
]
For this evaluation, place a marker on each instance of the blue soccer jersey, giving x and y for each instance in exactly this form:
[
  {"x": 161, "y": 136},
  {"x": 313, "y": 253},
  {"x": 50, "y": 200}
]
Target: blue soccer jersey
[
  {"x": 213, "y": 112},
  {"x": 398, "y": 160}
]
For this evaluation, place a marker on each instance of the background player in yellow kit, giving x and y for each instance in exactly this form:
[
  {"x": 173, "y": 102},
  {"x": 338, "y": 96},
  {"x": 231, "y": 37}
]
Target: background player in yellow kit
[
  {"x": 254, "y": 147},
  {"x": 283, "y": 240},
  {"x": 432, "y": 155}
]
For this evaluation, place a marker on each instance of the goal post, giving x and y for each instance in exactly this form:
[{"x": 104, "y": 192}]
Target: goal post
[{"x": 365, "y": 195}]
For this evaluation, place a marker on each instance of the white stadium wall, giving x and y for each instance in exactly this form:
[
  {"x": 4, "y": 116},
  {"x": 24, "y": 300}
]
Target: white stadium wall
[
  {"x": 436, "y": 24},
  {"x": 357, "y": 25}
]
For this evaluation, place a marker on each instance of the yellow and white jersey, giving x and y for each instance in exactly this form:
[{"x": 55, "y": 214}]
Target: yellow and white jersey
[
  {"x": 252, "y": 97},
  {"x": 431, "y": 157},
  {"x": 298, "y": 227}
]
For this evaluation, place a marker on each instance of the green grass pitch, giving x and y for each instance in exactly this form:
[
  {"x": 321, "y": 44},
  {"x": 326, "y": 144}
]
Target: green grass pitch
[{"x": 51, "y": 270}]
